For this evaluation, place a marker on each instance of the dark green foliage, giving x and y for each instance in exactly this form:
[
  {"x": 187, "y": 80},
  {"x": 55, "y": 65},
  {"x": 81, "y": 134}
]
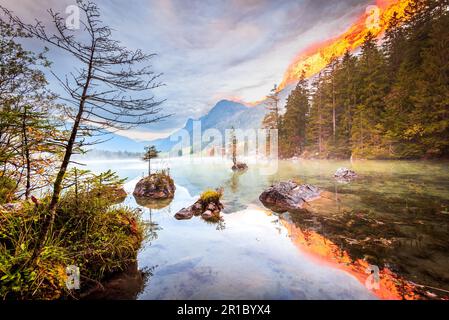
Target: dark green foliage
[
  {"x": 293, "y": 124},
  {"x": 391, "y": 101},
  {"x": 272, "y": 119},
  {"x": 150, "y": 153},
  {"x": 80, "y": 223}
]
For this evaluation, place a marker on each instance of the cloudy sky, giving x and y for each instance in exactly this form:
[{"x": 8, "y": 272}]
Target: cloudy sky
[{"x": 209, "y": 50}]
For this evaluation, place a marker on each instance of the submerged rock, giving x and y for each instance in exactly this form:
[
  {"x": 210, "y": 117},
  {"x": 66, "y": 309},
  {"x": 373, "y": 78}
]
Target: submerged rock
[
  {"x": 240, "y": 167},
  {"x": 156, "y": 186},
  {"x": 289, "y": 196},
  {"x": 344, "y": 174}
]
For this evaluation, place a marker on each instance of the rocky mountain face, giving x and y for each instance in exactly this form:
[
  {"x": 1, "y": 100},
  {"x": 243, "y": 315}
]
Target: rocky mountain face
[{"x": 225, "y": 115}]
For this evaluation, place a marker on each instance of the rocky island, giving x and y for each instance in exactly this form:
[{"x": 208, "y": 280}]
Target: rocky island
[
  {"x": 157, "y": 186},
  {"x": 208, "y": 206}
]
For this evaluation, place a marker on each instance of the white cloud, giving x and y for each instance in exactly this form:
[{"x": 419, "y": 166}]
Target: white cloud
[
  {"x": 212, "y": 49},
  {"x": 142, "y": 136}
]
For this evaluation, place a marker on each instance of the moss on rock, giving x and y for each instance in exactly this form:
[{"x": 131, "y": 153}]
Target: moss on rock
[{"x": 156, "y": 186}]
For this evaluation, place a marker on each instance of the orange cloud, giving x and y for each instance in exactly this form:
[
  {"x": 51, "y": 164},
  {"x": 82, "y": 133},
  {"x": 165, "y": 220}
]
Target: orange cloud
[{"x": 314, "y": 58}]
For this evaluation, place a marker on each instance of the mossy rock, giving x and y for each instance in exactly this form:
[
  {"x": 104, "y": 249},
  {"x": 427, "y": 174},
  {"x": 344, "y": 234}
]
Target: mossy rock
[
  {"x": 209, "y": 196},
  {"x": 289, "y": 196},
  {"x": 208, "y": 206},
  {"x": 156, "y": 186}
]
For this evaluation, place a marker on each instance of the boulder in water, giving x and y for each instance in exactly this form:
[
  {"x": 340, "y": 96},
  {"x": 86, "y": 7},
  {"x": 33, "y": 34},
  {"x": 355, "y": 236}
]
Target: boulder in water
[
  {"x": 208, "y": 206},
  {"x": 289, "y": 196},
  {"x": 239, "y": 166},
  {"x": 344, "y": 174},
  {"x": 157, "y": 186},
  {"x": 185, "y": 214}
]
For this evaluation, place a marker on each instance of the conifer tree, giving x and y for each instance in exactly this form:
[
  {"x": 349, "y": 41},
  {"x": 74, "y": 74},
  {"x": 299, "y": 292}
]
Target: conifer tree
[
  {"x": 273, "y": 116},
  {"x": 368, "y": 129},
  {"x": 293, "y": 134}
]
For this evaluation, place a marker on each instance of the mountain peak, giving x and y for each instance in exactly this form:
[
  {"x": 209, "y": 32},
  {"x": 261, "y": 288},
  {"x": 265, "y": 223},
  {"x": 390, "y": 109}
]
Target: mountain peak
[{"x": 227, "y": 106}]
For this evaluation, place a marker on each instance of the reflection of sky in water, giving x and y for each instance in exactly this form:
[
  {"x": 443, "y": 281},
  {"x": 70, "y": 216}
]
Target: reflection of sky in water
[{"x": 253, "y": 256}]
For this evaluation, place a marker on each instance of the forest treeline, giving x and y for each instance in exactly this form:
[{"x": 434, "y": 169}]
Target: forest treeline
[{"x": 388, "y": 101}]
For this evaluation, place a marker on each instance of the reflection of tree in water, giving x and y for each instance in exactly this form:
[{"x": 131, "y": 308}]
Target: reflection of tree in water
[
  {"x": 407, "y": 247},
  {"x": 153, "y": 204},
  {"x": 234, "y": 182},
  {"x": 220, "y": 223},
  {"x": 233, "y": 201},
  {"x": 152, "y": 228},
  {"x": 126, "y": 285}
]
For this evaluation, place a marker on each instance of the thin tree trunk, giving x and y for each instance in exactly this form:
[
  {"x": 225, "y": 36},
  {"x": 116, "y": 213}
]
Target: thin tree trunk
[
  {"x": 361, "y": 130},
  {"x": 319, "y": 125},
  {"x": 49, "y": 219},
  {"x": 334, "y": 120},
  {"x": 57, "y": 189},
  {"x": 27, "y": 155},
  {"x": 76, "y": 189},
  {"x": 234, "y": 150}
]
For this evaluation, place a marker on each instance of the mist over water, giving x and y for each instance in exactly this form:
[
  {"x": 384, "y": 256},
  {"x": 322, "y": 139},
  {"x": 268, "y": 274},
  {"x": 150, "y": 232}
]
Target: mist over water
[{"x": 256, "y": 254}]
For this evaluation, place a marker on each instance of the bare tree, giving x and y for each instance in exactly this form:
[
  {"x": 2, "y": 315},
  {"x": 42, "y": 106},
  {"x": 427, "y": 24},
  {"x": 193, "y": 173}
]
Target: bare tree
[{"x": 100, "y": 89}]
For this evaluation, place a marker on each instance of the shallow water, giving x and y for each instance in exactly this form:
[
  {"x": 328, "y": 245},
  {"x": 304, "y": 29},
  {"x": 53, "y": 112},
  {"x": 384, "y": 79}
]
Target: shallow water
[{"x": 394, "y": 215}]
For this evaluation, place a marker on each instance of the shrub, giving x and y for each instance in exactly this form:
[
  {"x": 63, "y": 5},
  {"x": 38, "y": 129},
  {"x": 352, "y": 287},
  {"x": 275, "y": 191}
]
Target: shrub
[
  {"x": 7, "y": 189},
  {"x": 162, "y": 178},
  {"x": 89, "y": 232}
]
